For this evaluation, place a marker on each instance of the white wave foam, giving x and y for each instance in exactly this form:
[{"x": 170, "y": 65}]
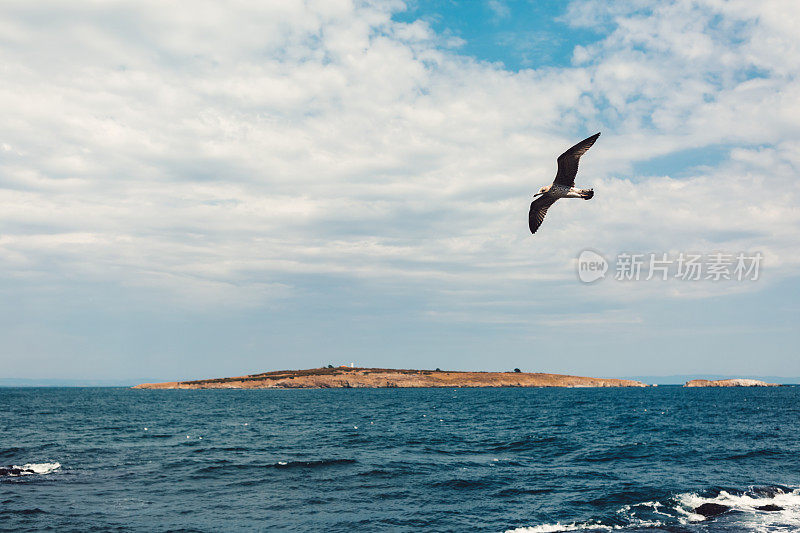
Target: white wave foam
[
  {"x": 748, "y": 516},
  {"x": 747, "y": 504},
  {"x": 744, "y": 502},
  {"x": 688, "y": 516},
  {"x": 653, "y": 504},
  {"x": 38, "y": 468},
  {"x": 558, "y": 526},
  {"x": 590, "y": 526}
]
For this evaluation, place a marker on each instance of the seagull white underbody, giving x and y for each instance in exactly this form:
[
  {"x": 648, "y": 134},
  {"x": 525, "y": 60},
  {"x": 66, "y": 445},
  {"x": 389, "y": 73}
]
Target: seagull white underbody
[{"x": 564, "y": 184}]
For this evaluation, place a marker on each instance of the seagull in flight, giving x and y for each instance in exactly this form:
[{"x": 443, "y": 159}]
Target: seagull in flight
[{"x": 564, "y": 184}]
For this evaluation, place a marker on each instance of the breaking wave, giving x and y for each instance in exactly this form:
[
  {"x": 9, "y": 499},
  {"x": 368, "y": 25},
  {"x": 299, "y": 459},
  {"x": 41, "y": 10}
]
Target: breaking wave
[
  {"x": 29, "y": 469},
  {"x": 312, "y": 464},
  {"x": 764, "y": 508}
]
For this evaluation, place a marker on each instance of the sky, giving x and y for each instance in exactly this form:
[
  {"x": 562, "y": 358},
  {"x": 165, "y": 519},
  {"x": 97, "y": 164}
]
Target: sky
[{"x": 198, "y": 189}]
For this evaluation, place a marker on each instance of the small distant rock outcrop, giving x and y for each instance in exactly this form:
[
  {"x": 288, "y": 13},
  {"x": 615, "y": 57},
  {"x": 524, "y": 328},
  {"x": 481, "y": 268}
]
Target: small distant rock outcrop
[
  {"x": 349, "y": 377},
  {"x": 769, "y": 507},
  {"x": 736, "y": 382},
  {"x": 14, "y": 471},
  {"x": 711, "y": 509}
]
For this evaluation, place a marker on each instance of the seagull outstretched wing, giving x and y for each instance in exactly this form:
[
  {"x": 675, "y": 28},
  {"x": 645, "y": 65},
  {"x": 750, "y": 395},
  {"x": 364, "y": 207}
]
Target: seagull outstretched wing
[
  {"x": 568, "y": 161},
  {"x": 539, "y": 209}
]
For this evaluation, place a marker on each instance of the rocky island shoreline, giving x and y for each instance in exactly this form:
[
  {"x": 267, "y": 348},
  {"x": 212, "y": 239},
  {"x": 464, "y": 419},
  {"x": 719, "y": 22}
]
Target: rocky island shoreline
[
  {"x": 735, "y": 382},
  {"x": 349, "y": 377}
]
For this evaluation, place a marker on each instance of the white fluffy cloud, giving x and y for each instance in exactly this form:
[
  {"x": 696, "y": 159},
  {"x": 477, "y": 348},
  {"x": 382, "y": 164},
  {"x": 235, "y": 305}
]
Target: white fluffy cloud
[{"x": 212, "y": 153}]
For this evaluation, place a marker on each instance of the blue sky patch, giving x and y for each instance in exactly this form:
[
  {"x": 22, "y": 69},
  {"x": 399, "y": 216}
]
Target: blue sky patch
[{"x": 521, "y": 34}]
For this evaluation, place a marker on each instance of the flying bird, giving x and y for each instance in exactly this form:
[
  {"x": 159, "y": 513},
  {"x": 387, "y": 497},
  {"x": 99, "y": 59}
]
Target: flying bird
[{"x": 564, "y": 184}]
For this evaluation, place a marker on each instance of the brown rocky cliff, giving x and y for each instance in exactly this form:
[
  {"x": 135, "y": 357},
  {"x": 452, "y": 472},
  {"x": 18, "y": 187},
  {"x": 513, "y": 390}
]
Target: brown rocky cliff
[{"x": 346, "y": 377}]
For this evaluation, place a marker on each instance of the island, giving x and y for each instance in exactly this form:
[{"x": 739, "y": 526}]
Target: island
[
  {"x": 736, "y": 382},
  {"x": 349, "y": 377}
]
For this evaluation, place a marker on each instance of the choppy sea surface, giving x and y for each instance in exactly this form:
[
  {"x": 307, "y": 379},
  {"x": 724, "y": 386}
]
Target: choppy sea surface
[{"x": 529, "y": 460}]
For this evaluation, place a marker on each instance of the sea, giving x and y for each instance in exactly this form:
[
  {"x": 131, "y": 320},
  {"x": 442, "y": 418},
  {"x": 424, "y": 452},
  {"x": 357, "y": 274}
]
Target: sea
[{"x": 507, "y": 459}]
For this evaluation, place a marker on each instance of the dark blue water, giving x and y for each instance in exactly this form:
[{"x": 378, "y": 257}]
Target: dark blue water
[{"x": 400, "y": 459}]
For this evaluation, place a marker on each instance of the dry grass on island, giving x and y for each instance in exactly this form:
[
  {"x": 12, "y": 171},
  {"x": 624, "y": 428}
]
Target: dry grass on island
[{"x": 348, "y": 377}]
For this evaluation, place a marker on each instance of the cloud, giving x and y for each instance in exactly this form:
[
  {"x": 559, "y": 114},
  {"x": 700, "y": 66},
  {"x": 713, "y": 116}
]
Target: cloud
[
  {"x": 499, "y": 8},
  {"x": 212, "y": 153}
]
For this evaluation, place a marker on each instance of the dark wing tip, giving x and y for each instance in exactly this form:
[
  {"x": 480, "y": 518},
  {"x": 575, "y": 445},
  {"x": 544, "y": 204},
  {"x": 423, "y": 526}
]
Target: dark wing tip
[
  {"x": 588, "y": 141},
  {"x": 575, "y": 152},
  {"x": 537, "y": 212},
  {"x": 568, "y": 161}
]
